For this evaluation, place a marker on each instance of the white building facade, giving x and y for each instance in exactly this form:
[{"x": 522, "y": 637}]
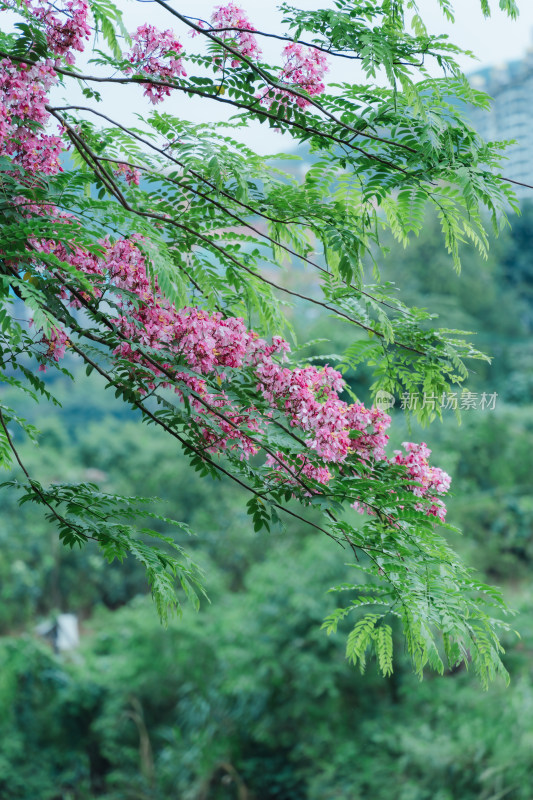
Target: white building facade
[{"x": 511, "y": 116}]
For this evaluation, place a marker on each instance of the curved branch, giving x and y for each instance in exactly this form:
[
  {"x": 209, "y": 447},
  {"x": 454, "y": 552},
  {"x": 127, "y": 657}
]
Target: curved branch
[
  {"x": 314, "y": 46},
  {"x": 275, "y": 84},
  {"x": 246, "y": 106},
  {"x": 245, "y": 224},
  {"x": 208, "y": 242}
]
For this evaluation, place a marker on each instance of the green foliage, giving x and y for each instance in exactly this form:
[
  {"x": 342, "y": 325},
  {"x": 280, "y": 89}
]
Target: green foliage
[
  {"x": 249, "y": 694},
  {"x": 82, "y": 513},
  {"x": 220, "y": 223},
  {"x": 195, "y": 708}
]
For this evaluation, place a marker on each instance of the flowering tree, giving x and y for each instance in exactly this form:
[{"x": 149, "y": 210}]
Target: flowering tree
[{"x": 148, "y": 253}]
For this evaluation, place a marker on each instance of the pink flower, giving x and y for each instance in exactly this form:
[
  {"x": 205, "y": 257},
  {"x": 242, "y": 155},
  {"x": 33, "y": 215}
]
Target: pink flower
[
  {"x": 156, "y": 53},
  {"x": 212, "y": 347},
  {"x": 66, "y": 24},
  {"x": 55, "y": 343},
  {"x": 131, "y": 174},
  {"x": 430, "y": 481},
  {"x": 68, "y": 32},
  {"x": 303, "y": 68},
  {"x": 23, "y": 97},
  {"x": 243, "y": 40}
]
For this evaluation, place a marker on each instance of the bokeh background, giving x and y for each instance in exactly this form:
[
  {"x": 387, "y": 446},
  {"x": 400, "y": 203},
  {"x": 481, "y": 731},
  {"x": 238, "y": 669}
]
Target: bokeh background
[{"x": 249, "y": 698}]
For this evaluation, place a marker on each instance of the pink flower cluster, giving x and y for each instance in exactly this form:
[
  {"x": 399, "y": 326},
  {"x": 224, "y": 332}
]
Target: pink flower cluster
[
  {"x": 23, "y": 116},
  {"x": 432, "y": 480},
  {"x": 212, "y": 346},
  {"x": 66, "y": 33},
  {"x": 156, "y": 53},
  {"x": 243, "y": 40},
  {"x": 24, "y": 87},
  {"x": 309, "y": 397},
  {"x": 209, "y": 344},
  {"x": 55, "y": 344},
  {"x": 303, "y": 68},
  {"x": 130, "y": 174}
]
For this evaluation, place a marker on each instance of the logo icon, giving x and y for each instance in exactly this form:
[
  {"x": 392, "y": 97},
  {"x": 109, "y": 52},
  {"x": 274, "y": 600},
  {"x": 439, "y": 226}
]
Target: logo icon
[{"x": 384, "y": 400}]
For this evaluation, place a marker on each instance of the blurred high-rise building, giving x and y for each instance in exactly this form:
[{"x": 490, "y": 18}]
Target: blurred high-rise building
[{"x": 511, "y": 115}]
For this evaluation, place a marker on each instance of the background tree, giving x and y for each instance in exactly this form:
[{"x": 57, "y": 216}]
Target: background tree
[{"x": 148, "y": 253}]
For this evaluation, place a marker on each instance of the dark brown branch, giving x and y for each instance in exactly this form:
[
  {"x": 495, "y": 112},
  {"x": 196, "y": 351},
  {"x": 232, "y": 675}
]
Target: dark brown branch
[
  {"x": 210, "y": 244},
  {"x": 260, "y": 111},
  {"x": 165, "y": 154},
  {"x": 244, "y": 223},
  {"x": 516, "y": 183},
  {"x": 246, "y": 106},
  {"x": 314, "y": 46},
  {"x": 188, "y": 446}
]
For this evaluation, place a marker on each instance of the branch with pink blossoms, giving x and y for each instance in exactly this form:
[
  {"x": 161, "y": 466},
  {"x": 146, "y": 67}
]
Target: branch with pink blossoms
[
  {"x": 309, "y": 397},
  {"x": 155, "y": 53},
  {"x": 93, "y": 161},
  {"x": 210, "y": 345},
  {"x": 131, "y": 173},
  {"x": 159, "y": 309},
  {"x": 311, "y": 491},
  {"x": 302, "y": 71}
]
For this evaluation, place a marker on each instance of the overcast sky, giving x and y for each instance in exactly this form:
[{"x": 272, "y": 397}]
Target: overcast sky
[{"x": 494, "y": 41}]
